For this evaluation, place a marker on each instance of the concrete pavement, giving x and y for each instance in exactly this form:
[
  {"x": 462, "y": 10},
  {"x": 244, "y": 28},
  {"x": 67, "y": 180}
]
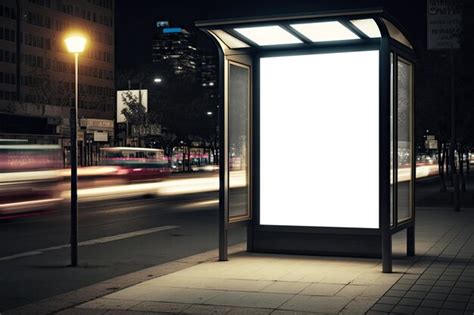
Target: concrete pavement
[{"x": 440, "y": 279}]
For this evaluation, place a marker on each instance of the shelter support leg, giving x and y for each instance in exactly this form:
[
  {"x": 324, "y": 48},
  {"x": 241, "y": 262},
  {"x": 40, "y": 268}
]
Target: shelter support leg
[
  {"x": 223, "y": 255},
  {"x": 250, "y": 237},
  {"x": 411, "y": 241},
  {"x": 386, "y": 253}
]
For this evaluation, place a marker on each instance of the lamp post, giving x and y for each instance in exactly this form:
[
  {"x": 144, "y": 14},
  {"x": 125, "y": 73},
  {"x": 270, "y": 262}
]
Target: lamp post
[{"x": 75, "y": 44}]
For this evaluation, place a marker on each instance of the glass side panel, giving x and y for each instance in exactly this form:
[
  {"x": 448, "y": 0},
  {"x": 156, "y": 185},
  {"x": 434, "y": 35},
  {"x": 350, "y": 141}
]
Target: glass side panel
[
  {"x": 325, "y": 31},
  {"x": 229, "y": 40},
  {"x": 268, "y": 35},
  {"x": 239, "y": 122},
  {"x": 396, "y": 34},
  {"x": 368, "y": 27},
  {"x": 404, "y": 138}
]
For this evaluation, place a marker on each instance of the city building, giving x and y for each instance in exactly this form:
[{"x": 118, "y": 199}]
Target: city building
[
  {"x": 175, "y": 47},
  {"x": 37, "y": 73},
  {"x": 208, "y": 72}
]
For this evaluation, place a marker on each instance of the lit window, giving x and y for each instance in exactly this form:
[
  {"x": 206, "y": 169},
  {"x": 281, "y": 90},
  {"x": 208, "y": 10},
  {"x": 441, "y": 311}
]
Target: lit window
[
  {"x": 325, "y": 31},
  {"x": 268, "y": 35},
  {"x": 368, "y": 27}
]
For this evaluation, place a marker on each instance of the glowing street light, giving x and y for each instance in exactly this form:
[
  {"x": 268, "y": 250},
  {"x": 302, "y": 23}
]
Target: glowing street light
[
  {"x": 209, "y": 113},
  {"x": 157, "y": 80},
  {"x": 75, "y": 44}
]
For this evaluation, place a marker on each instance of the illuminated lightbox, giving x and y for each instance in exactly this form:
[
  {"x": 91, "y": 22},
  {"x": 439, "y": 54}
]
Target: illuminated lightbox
[{"x": 319, "y": 140}]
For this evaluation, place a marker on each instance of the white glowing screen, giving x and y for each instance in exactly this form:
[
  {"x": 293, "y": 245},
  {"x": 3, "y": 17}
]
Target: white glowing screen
[{"x": 319, "y": 140}]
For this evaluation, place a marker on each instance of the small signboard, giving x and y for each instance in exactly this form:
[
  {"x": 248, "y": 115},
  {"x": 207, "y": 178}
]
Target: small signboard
[
  {"x": 444, "y": 24},
  {"x": 97, "y": 124},
  {"x": 101, "y": 136},
  {"x": 146, "y": 130},
  {"x": 431, "y": 144}
]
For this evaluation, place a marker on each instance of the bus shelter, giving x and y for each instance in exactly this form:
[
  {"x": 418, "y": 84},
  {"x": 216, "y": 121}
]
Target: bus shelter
[{"x": 316, "y": 133}]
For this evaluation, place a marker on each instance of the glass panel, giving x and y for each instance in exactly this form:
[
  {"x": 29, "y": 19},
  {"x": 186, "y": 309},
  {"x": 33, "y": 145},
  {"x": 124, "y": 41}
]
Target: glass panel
[
  {"x": 368, "y": 27},
  {"x": 395, "y": 33},
  {"x": 325, "y": 31},
  {"x": 404, "y": 137},
  {"x": 229, "y": 40},
  {"x": 392, "y": 191},
  {"x": 268, "y": 35},
  {"x": 314, "y": 186},
  {"x": 239, "y": 109}
]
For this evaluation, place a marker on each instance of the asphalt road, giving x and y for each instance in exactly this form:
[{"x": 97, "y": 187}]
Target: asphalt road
[{"x": 118, "y": 237}]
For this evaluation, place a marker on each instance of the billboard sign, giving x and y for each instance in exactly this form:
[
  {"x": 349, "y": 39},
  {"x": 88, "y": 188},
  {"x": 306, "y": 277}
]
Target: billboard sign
[
  {"x": 121, "y": 105},
  {"x": 444, "y": 19}
]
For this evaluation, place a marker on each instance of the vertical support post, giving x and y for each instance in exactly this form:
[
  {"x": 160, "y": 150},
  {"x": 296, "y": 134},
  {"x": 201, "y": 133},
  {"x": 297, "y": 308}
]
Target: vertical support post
[
  {"x": 411, "y": 241},
  {"x": 73, "y": 125},
  {"x": 452, "y": 147},
  {"x": 384, "y": 155},
  {"x": 223, "y": 161}
]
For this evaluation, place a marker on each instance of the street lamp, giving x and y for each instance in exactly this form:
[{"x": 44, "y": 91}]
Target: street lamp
[
  {"x": 75, "y": 44},
  {"x": 157, "y": 80}
]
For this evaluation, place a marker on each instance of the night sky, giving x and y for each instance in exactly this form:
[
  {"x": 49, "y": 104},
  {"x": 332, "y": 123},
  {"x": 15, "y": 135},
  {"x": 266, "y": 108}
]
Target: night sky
[{"x": 135, "y": 20}]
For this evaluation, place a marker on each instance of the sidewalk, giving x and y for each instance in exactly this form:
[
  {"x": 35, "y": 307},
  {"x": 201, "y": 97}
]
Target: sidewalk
[{"x": 440, "y": 279}]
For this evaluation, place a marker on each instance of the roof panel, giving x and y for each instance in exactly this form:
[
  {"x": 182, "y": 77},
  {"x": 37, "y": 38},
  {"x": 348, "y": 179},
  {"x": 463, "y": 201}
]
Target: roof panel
[
  {"x": 229, "y": 40},
  {"x": 324, "y": 31},
  {"x": 368, "y": 26},
  {"x": 396, "y": 34},
  {"x": 268, "y": 35}
]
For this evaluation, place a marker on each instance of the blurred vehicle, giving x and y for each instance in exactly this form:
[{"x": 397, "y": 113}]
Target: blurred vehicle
[
  {"x": 29, "y": 178},
  {"x": 95, "y": 176},
  {"x": 204, "y": 168},
  {"x": 137, "y": 164}
]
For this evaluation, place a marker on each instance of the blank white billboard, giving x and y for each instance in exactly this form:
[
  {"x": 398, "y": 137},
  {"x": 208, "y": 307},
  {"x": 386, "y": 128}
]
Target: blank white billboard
[
  {"x": 319, "y": 140},
  {"x": 143, "y": 94}
]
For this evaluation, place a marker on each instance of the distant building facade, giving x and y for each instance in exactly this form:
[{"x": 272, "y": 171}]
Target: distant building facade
[
  {"x": 37, "y": 73},
  {"x": 176, "y": 47},
  {"x": 208, "y": 74}
]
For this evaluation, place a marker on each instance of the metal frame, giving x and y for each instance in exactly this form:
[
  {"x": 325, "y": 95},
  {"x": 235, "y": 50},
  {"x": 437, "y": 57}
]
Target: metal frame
[
  {"x": 248, "y": 214},
  {"x": 316, "y": 240}
]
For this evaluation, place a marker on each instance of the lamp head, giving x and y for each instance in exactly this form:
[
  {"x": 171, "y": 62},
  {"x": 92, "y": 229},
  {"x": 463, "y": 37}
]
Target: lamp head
[{"x": 75, "y": 43}]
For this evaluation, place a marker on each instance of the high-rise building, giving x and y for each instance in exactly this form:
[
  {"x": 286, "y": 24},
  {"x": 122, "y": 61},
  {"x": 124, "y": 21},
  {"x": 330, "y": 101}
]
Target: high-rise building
[
  {"x": 37, "y": 73},
  {"x": 208, "y": 74},
  {"x": 208, "y": 70},
  {"x": 175, "y": 47}
]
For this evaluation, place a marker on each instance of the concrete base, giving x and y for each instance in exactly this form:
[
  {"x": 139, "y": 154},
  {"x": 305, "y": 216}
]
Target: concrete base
[{"x": 317, "y": 244}]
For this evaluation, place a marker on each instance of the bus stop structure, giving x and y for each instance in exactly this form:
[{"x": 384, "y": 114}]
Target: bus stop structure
[{"x": 316, "y": 133}]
